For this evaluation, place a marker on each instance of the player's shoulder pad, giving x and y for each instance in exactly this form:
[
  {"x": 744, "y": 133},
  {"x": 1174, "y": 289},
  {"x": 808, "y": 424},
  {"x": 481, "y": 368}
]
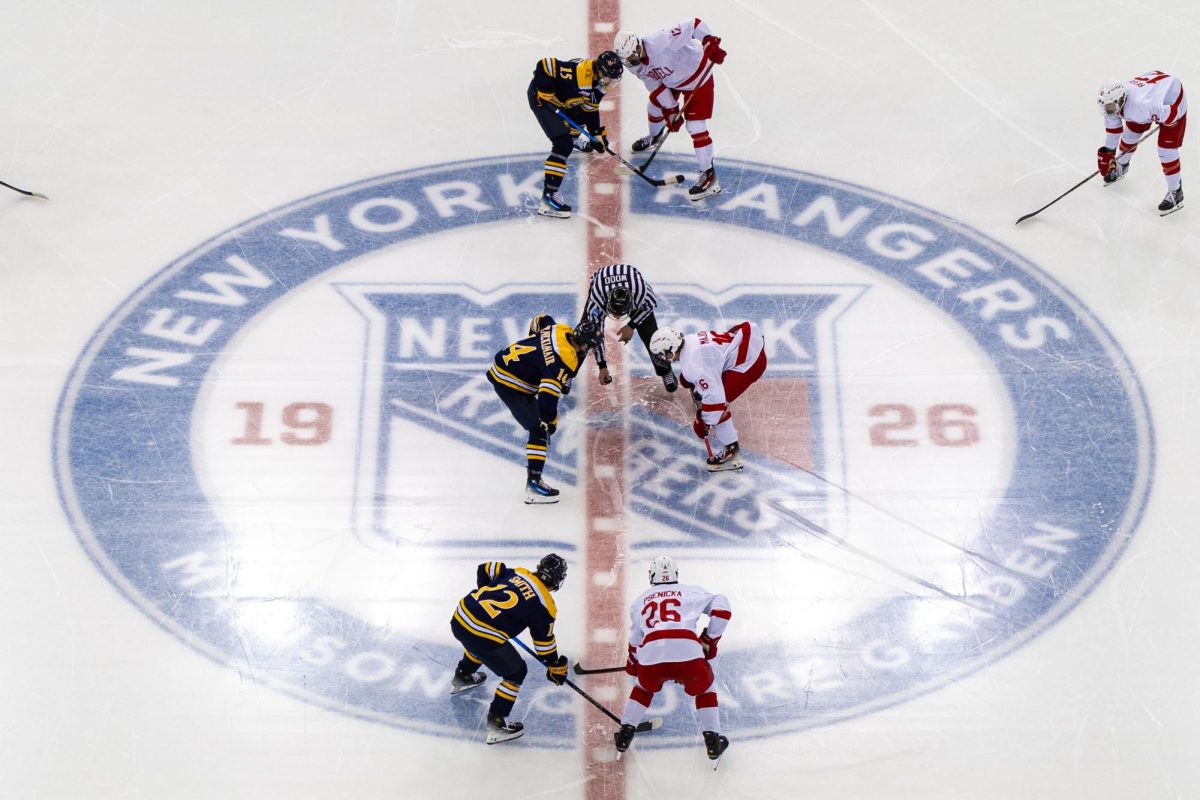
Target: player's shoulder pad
[
  {"x": 562, "y": 348},
  {"x": 584, "y": 72},
  {"x": 540, "y": 589},
  {"x": 488, "y": 572}
]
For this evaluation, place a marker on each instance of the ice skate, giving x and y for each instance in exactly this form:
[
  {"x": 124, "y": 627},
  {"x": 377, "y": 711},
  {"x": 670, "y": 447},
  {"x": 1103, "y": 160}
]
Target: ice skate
[
  {"x": 716, "y": 745},
  {"x": 500, "y": 731},
  {"x": 669, "y": 381},
  {"x": 463, "y": 681},
  {"x": 706, "y": 185},
  {"x": 536, "y": 491},
  {"x": 1172, "y": 202},
  {"x": 644, "y": 143},
  {"x": 1118, "y": 171},
  {"x": 553, "y": 205},
  {"x": 624, "y": 737},
  {"x": 729, "y": 458}
]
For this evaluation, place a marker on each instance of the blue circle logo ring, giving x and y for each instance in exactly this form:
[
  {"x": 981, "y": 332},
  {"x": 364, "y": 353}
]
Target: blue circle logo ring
[{"x": 128, "y": 483}]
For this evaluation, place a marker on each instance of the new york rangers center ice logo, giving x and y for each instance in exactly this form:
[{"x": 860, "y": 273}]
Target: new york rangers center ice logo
[{"x": 283, "y": 450}]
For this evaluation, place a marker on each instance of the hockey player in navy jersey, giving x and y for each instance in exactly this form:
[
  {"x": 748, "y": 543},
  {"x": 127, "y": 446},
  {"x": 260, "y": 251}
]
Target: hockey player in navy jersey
[
  {"x": 574, "y": 88},
  {"x": 530, "y": 376},
  {"x": 506, "y": 602}
]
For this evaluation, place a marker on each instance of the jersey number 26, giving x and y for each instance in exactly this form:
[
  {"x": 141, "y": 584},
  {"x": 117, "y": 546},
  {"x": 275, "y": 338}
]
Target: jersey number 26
[{"x": 656, "y": 611}]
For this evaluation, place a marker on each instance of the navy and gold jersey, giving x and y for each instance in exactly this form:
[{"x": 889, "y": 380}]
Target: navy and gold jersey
[
  {"x": 571, "y": 85},
  {"x": 542, "y": 365},
  {"x": 506, "y": 603}
]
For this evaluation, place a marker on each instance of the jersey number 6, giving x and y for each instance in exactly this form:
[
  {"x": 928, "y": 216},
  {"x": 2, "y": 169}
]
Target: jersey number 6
[{"x": 655, "y": 612}]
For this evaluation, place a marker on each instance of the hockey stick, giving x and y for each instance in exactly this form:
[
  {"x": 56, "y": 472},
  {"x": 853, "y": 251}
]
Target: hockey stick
[
  {"x": 647, "y": 725},
  {"x": 661, "y": 139},
  {"x": 581, "y": 670},
  {"x": 696, "y": 403},
  {"x": 677, "y": 179},
  {"x": 31, "y": 194},
  {"x": 1082, "y": 182}
]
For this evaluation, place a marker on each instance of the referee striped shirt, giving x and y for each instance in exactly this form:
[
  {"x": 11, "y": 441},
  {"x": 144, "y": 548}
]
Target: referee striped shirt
[{"x": 642, "y": 299}]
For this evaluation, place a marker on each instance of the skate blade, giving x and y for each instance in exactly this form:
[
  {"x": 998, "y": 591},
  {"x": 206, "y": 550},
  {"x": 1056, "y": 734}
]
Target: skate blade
[
  {"x": 695, "y": 198},
  {"x": 538, "y": 500},
  {"x": 504, "y": 737},
  {"x": 549, "y": 212},
  {"x": 460, "y": 689},
  {"x": 730, "y": 467},
  {"x": 1170, "y": 211}
]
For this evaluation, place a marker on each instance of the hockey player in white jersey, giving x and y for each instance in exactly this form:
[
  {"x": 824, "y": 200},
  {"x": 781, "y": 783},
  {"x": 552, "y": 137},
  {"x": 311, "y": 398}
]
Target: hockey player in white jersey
[
  {"x": 1130, "y": 108},
  {"x": 664, "y": 646},
  {"x": 676, "y": 65},
  {"x": 718, "y": 366}
]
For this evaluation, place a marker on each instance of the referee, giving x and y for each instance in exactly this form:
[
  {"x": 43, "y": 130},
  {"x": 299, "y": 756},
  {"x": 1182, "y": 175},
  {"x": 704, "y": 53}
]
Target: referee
[{"x": 620, "y": 291}]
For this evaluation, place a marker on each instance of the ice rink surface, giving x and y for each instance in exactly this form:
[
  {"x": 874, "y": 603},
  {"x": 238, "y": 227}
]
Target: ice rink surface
[{"x": 249, "y": 462}]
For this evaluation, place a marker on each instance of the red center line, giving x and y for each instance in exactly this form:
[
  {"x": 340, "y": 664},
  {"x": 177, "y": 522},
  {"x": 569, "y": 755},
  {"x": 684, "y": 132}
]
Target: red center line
[{"x": 603, "y": 465}]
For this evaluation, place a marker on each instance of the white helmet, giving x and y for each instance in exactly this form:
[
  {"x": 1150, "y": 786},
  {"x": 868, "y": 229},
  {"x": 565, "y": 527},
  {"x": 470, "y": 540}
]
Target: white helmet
[
  {"x": 1110, "y": 97},
  {"x": 626, "y": 44},
  {"x": 664, "y": 344},
  {"x": 663, "y": 570}
]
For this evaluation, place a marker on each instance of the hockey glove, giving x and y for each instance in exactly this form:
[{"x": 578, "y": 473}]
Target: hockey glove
[
  {"x": 709, "y": 645},
  {"x": 1106, "y": 159},
  {"x": 700, "y": 427},
  {"x": 556, "y": 670},
  {"x": 599, "y": 141},
  {"x": 712, "y": 49}
]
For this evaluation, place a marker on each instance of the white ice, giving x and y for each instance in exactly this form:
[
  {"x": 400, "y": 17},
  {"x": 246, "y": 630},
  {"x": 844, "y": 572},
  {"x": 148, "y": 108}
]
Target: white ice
[{"x": 154, "y": 127}]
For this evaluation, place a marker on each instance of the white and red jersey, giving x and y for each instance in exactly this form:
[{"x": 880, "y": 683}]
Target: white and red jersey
[
  {"x": 663, "y": 620},
  {"x": 674, "y": 59},
  {"x": 1155, "y": 97},
  {"x": 705, "y": 356}
]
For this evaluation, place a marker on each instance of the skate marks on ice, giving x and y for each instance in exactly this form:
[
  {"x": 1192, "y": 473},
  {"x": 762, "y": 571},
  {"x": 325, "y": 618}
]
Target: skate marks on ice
[{"x": 190, "y": 402}]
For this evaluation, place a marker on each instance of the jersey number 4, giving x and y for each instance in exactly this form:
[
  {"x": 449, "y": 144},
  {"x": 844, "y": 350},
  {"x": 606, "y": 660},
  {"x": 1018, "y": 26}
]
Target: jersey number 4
[
  {"x": 516, "y": 351},
  {"x": 493, "y": 606},
  {"x": 656, "y": 611}
]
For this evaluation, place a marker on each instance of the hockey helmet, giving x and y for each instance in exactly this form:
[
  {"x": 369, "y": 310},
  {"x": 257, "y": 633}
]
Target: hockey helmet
[
  {"x": 627, "y": 45},
  {"x": 609, "y": 66},
  {"x": 540, "y": 323},
  {"x": 552, "y": 571},
  {"x": 663, "y": 570},
  {"x": 618, "y": 301},
  {"x": 1111, "y": 96},
  {"x": 664, "y": 344},
  {"x": 586, "y": 334}
]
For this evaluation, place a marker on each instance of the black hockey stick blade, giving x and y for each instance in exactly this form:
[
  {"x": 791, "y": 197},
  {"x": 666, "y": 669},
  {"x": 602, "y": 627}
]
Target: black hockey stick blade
[
  {"x": 24, "y": 192},
  {"x": 651, "y": 724}
]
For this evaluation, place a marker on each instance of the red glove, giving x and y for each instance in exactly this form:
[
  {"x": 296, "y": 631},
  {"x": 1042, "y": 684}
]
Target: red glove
[
  {"x": 631, "y": 666},
  {"x": 700, "y": 427},
  {"x": 709, "y": 645},
  {"x": 673, "y": 118},
  {"x": 712, "y": 49},
  {"x": 1106, "y": 159}
]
